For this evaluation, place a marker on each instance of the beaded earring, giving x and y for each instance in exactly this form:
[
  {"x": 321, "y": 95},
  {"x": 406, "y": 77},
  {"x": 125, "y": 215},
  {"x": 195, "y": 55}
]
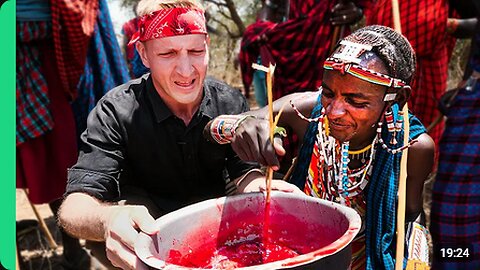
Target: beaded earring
[
  {"x": 399, "y": 122},
  {"x": 390, "y": 125},
  {"x": 385, "y": 146}
]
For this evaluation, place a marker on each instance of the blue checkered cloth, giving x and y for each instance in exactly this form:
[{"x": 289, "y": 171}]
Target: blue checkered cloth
[
  {"x": 105, "y": 68},
  {"x": 455, "y": 215},
  {"x": 33, "y": 115}
]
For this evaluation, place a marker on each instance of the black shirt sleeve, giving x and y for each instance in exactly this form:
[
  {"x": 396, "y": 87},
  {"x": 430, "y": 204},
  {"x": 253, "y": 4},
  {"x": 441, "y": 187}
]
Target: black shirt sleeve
[{"x": 101, "y": 155}]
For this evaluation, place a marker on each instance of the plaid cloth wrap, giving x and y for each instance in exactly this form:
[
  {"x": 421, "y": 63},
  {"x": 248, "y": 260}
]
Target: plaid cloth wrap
[
  {"x": 455, "y": 214},
  {"x": 424, "y": 24},
  {"x": 105, "y": 68},
  {"x": 298, "y": 47},
  {"x": 381, "y": 197},
  {"x": 32, "y": 113},
  {"x": 73, "y": 24}
]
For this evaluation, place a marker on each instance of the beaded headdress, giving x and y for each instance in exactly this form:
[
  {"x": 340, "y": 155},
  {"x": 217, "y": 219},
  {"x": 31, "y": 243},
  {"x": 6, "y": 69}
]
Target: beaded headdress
[{"x": 346, "y": 60}]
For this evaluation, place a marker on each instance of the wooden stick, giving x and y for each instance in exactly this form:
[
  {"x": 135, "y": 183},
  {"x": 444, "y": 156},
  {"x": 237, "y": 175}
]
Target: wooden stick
[
  {"x": 397, "y": 25},
  {"x": 402, "y": 190},
  {"x": 17, "y": 262},
  {"x": 290, "y": 170},
  {"x": 269, "y": 177},
  {"x": 43, "y": 226},
  {"x": 272, "y": 122},
  {"x": 402, "y": 181}
]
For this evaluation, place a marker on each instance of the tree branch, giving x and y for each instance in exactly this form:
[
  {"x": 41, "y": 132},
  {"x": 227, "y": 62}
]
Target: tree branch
[
  {"x": 225, "y": 14},
  {"x": 235, "y": 17},
  {"x": 216, "y": 3}
]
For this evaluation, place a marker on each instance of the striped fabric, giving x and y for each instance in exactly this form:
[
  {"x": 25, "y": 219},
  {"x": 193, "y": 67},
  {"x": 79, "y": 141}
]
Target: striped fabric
[
  {"x": 381, "y": 197},
  {"x": 298, "y": 47},
  {"x": 33, "y": 116},
  {"x": 73, "y": 24},
  {"x": 104, "y": 69},
  {"x": 424, "y": 24},
  {"x": 135, "y": 64},
  {"x": 455, "y": 214}
]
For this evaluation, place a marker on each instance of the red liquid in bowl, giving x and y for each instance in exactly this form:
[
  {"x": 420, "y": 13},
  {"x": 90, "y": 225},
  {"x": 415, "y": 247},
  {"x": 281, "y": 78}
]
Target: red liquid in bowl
[{"x": 244, "y": 246}]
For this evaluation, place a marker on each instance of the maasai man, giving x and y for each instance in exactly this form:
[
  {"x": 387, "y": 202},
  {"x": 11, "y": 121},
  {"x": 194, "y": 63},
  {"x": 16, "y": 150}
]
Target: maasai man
[
  {"x": 143, "y": 144},
  {"x": 455, "y": 215},
  {"x": 352, "y": 135}
]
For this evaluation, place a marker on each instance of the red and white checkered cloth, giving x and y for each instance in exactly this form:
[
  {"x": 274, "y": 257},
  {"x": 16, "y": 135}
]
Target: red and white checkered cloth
[
  {"x": 73, "y": 25},
  {"x": 424, "y": 24}
]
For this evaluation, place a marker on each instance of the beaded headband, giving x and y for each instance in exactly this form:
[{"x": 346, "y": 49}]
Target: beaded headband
[
  {"x": 347, "y": 61},
  {"x": 170, "y": 22}
]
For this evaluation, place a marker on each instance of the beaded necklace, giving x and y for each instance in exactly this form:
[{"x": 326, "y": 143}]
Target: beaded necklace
[
  {"x": 339, "y": 183},
  {"x": 331, "y": 179}
]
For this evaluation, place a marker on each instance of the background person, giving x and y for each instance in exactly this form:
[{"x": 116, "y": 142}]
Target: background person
[
  {"x": 455, "y": 215},
  {"x": 52, "y": 44}
]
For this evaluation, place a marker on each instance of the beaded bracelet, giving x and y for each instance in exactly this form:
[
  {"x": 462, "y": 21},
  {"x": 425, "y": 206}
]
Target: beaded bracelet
[{"x": 222, "y": 128}]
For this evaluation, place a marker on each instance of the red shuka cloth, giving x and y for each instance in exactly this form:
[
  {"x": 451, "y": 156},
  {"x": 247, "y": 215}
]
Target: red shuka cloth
[
  {"x": 42, "y": 162},
  {"x": 424, "y": 24}
]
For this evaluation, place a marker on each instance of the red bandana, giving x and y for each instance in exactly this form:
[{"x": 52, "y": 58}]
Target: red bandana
[{"x": 170, "y": 22}]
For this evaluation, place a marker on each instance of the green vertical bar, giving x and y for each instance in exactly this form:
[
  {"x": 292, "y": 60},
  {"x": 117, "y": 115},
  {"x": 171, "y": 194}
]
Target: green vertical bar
[{"x": 7, "y": 134}]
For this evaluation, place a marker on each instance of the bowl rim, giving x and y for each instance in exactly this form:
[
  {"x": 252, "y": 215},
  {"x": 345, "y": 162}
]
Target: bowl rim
[{"x": 144, "y": 241}]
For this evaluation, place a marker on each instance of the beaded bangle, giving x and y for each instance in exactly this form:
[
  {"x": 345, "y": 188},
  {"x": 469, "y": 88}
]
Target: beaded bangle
[{"x": 223, "y": 127}]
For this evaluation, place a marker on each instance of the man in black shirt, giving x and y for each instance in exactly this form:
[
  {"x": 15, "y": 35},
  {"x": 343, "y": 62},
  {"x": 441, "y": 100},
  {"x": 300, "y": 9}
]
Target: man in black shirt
[{"x": 144, "y": 143}]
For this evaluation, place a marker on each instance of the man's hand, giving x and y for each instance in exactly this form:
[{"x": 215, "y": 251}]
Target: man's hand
[
  {"x": 280, "y": 185},
  {"x": 252, "y": 143},
  {"x": 346, "y": 12},
  {"x": 121, "y": 232}
]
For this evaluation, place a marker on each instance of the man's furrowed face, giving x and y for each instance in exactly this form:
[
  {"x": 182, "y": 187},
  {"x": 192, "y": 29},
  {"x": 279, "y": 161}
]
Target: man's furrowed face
[{"x": 178, "y": 66}]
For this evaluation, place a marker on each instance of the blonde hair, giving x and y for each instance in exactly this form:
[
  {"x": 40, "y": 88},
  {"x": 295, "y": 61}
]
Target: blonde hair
[{"x": 149, "y": 6}]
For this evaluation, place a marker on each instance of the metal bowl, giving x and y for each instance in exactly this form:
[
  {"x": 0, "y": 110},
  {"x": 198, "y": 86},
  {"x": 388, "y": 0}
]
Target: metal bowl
[{"x": 325, "y": 229}]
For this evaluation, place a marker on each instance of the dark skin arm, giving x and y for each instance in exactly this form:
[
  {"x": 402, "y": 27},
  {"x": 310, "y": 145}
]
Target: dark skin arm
[
  {"x": 465, "y": 27},
  {"x": 251, "y": 141},
  {"x": 467, "y": 23},
  {"x": 420, "y": 163}
]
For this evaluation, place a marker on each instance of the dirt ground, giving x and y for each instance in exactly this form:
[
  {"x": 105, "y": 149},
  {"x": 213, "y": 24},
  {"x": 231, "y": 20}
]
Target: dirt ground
[
  {"x": 32, "y": 244},
  {"x": 34, "y": 250}
]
